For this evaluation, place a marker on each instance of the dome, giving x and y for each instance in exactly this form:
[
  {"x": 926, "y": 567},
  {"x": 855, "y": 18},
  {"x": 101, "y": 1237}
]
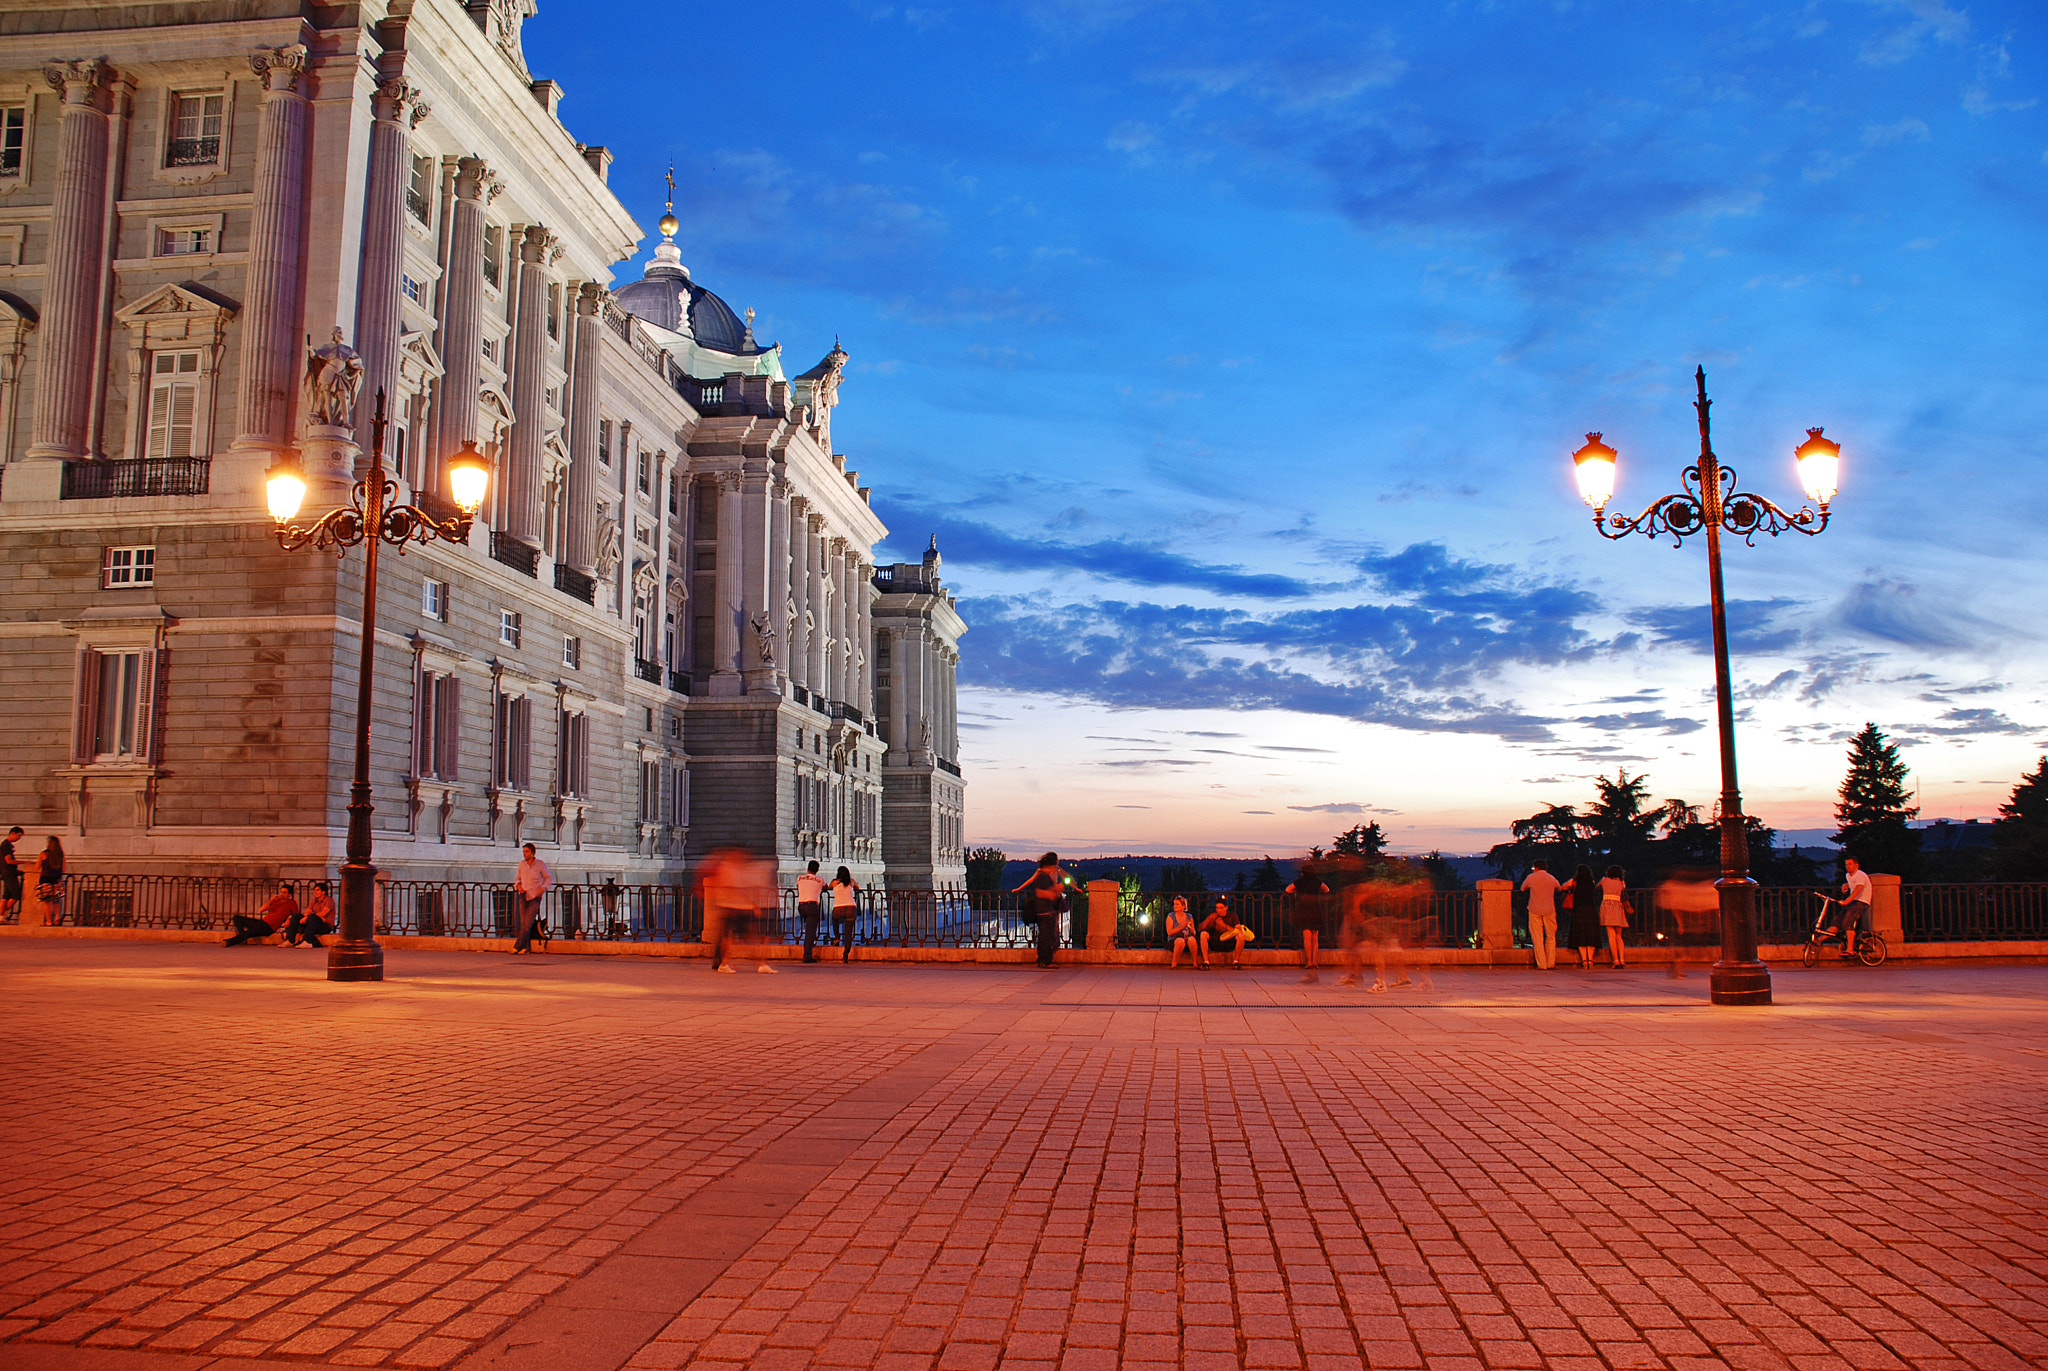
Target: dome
[{"x": 656, "y": 297}]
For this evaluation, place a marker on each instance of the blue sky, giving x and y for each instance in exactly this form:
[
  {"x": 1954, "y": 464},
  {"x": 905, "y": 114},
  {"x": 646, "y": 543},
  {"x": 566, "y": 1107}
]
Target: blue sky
[{"x": 1235, "y": 353}]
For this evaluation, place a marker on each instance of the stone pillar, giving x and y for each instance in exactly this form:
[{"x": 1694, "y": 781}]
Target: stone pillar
[
  {"x": 840, "y": 666},
  {"x": 396, "y": 110},
  {"x": 71, "y": 278},
  {"x": 580, "y": 543},
  {"x": 949, "y": 715},
  {"x": 526, "y": 451},
  {"x": 864, "y": 636},
  {"x": 821, "y": 608},
  {"x": 799, "y": 657},
  {"x": 1497, "y": 915},
  {"x": 271, "y": 341},
  {"x": 900, "y": 737},
  {"x": 755, "y": 497},
  {"x": 778, "y": 573},
  {"x": 1887, "y": 917},
  {"x": 462, "y": 317},
  {"x": 919, "y": 674},
  {"x": 727, "y": 606}
]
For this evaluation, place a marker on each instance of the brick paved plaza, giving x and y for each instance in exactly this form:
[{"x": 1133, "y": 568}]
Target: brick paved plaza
[{"x": 218, "y": 1159}]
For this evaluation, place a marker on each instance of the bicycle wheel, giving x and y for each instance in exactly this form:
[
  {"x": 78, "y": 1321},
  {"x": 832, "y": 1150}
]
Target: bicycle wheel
[
  {"x": 1871, "y": 951},
  {"x": 1811, "y": 956}
]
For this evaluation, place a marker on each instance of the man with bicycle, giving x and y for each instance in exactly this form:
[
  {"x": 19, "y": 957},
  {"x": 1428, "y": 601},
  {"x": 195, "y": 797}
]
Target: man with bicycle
[{"x": 1855, "y": 903}]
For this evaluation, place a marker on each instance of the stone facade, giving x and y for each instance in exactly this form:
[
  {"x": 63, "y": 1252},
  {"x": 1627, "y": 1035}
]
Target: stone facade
[
  {"x": 917, "y": 650},
  {"x": 664, "y": 632}
]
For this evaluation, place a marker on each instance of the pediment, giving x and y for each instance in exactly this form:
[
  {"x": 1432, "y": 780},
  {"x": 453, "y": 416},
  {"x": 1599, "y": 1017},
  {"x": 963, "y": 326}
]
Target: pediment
[
  {"x": 175, "y": 300},
  {"x": 16, "y": 311},
  {"x": 416, "y": 353}
]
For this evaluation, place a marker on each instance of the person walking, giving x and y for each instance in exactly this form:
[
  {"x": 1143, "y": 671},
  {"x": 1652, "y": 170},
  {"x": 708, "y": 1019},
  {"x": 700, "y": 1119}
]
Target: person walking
[
  {"x": 1180, "y": 931},
  {"x": 316, "y": 922},
  {"x": 1614, "y": 913},
  {"x": 532, "y": 881},
  {"x": 281, "y": 911},
  {"x": 810, "y": 891},
  {"x": 1047, "y": 887},
  {"x": 845, "y": 911},
  {"x": 1585, "y": 902},
  {"x": 1542, "y": 888},
  {"x": 50, "y": 881},
  {"x": 10, "y": 878}
]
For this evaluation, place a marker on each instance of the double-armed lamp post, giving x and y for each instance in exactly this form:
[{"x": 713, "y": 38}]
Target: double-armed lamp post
[
  {"x": 1711, "y": 504},
  {"x": 372, "y": 517}
]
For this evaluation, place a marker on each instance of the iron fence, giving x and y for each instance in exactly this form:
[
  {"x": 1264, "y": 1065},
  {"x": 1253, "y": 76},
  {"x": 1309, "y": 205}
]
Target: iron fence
[
  {"x": 1987, "y": 913},
  {"x": 1450, "y": 918}
]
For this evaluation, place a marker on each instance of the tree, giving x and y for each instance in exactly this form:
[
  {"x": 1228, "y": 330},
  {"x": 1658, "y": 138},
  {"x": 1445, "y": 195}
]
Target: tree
[
  {"x": 1551, "y": 833},
  {"x": 1871, "y": 808},
  {"x": 1361, "y": 840},
  {"x": 1619, "y": 829},
  {"x": 1267, "y": 877},
  {"x": 1182, "y": 878},
  {"x": 985, "y": 867},
  {"x": 1240, "y": 881},
  {"x": 2021, "y": 833},
  {"x": 1442, "y": 874}
]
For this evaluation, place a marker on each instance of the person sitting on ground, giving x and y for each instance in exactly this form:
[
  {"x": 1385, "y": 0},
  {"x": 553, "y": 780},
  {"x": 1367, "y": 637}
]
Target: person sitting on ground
[
  {"x": 1224, "y": 926},
  {"x": 1180, "y": 931},
  {"x": 282, "y": 909},
  {"x": 316, "y": 922}
]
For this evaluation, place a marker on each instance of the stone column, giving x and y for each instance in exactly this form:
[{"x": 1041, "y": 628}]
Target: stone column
[
  {"x": 953, "y": 706},
  {"x": 727, "y": 606},
  {"x": 821, "y": 608},
  {"x": 899, "y": 692},
  {"x": 526, "y": 451},
  {"x": 271, "y": 341},
  {"x": 863, "y": 634},
  {"x": 71, "y": 279},
  {"x": 778, "y": 573},
  {"x": 755, "y": 497},
  {"x": 918, "y": 672},
  {"x": 799, "y": 657},
  {"x": 580, "y": 544},
  {"x": 462, "y": 317},
  {"x": 396, "y": 110},
  {"x": 838, "y": 659}
]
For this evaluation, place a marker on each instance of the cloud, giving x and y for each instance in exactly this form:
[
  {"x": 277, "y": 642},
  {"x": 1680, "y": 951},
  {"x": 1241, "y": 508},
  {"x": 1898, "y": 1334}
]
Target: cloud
[
  {"x": 1969, "y": 723},
  {"x": 1893, "y": 612},
  {"x": 1310, "y": 76},
  {"x": 1907, "y": 130},
  {"x": 1925, "y": 19},
  {"x": 1753, "y": 625},
  {"x": 1328, "y": 809},
  {"x": 1648, "y": 718}
]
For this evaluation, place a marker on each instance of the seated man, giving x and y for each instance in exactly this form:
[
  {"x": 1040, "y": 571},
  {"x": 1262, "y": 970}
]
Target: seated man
[
  {"x": 1224, "y": 926},
  {"x": 316, "y": 922},
  {"x": 1180, "y": 930},
  {"x": 1855, "y": 903},
  {"x": 281, "y": 910}
]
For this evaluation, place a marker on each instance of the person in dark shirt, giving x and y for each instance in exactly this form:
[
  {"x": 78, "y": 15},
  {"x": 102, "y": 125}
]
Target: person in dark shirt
[
  {"x": 315, "y": 923},
  {"x": 1222, "y": 924},
  {"x": 10, "y": 877},
  {"x": 282, "y": 909}
]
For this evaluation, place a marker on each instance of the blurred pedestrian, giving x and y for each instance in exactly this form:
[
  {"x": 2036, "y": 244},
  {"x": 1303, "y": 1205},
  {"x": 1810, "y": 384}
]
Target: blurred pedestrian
[
  {"x": 315, "y": 922},
  {"x": 1693, "y": 902},
  {"x": 810, "y": 890},
  {"x": 1614, "y": 913},
  {"x": 1180, "y": 931},
  {"x": 845, "y": 911},
  {"x": 1584, "y": 890},
  {"x": 1542, "y": 888},
  {"x": 282, "y": 909},
  {"x": 1047, "y": 887},
  {"x": 529, "y": 884},
  {"x": 1307, "y": 896},
  {"x": 1222, "y": 924}
]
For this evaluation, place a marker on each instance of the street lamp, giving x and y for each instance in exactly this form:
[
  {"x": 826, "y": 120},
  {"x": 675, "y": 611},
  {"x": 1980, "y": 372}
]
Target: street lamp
[
  {"x": 372, "y": 517},
  {"x": 1710, "y": 504}
]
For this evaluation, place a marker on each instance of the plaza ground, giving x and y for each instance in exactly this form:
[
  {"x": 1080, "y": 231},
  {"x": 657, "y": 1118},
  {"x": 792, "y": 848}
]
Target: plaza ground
[{"x": 218, "y": 1159}]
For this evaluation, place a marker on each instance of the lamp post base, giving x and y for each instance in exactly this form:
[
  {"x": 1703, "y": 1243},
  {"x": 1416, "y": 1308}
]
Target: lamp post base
[
  {"x": 1733, "y": 982},
  {"x": 355, "y": 961}
]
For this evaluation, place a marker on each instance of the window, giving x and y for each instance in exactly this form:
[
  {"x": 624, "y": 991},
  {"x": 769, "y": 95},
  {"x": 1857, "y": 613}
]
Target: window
[
  {"x": 413, "y": 290},
  {"x": 554, "y": 399},
  {"x": 668, "y": 640},
  {"x": 679, "y": 801},
  {"x": 642, "y": 534},
  {"x": 128, "y": 566},
  {"x": 675, "y": 728},
  {"x": 514, "y": 742},
  {"x": 554, "y": 316},
  {"x": 574, "y": 754},
  {"x": 675, "y": 492},
  {"x": 183, "y": 242},
  {"x": 419, "y": 190},
  {"x": 195, "y": 131},
  {"x": 118, "y": 694},
  {"x": 650, "y": 792},
  {"x": 646, "y": 468},
  {"x": 604, "y": 442},
  {"x": 401, "y": 447},
  {"x": 437, "y": 726},
  {"x": 508, "y": 627},
  {"x": 173, "y": 403},
  {"x": 491, "y": 351},
  {"x": 572, "y": 653},
  {"x": 13, "y": 138},
  {"x": 434, "y": 599},
  {"x": 494, "y": 255}
]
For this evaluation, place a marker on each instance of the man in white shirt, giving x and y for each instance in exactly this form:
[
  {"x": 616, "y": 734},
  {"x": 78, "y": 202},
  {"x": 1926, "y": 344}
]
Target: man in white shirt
[
  {"x": 810, "y": 891},
  {"x": 1542, "y": 888},
  {"x": 530, "y": 883},
  {"x": 1855, "y": 902}
]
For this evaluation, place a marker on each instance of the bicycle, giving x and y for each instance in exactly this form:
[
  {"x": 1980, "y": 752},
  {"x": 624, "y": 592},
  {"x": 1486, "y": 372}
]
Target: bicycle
[{"x": 1870, "y": 948}]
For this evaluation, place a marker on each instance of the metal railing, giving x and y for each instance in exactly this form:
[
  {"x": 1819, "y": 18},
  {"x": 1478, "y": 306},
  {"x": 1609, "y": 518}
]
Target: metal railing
[
  {"x": 100, "y": 480},
  {"x": 519, "y": 556},
  {"x": 647, "y": 671},
  {"x": 570, "y": 581},
  {"x": 1987, "y": 913},
  {"x": 1445, "y": 918},
  {"x": 679, "y": 682}
]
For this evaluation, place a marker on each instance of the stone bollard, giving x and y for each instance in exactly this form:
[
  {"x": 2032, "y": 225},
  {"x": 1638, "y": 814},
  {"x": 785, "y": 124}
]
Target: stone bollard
[
  {"x": 1102, "y": 914},
  {"x": 1886, "y": 918},
  {"x": 1497, "y": 915}
]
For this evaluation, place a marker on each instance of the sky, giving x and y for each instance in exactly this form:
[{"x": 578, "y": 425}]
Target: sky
[{"x": 1235, "y": 354}]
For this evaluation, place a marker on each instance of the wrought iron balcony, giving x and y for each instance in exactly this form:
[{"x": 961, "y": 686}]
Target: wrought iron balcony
[
  {"x": 149, "y": 476},
  {"x": 679, "y": 682},
  {"x": 515, "y": 554},
  {"x": 570, "y": 581},
  {"x": 647, "y": 671}
]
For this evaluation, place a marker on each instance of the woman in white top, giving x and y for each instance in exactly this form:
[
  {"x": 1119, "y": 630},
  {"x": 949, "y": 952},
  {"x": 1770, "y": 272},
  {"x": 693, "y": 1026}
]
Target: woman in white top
[
  {"x": 844, "y": 910},
  {"x": 1614, "y": 913}
]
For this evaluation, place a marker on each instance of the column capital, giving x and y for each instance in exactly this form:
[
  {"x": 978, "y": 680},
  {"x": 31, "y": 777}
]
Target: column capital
[
  {"x": 472, "y": 174},
  {"x": 729, "y": 482},
  {"x": 591, "y": 298},
  {"x": 538, "y": 243},
  {"x": 79, "y": 82},
  {"x": 837, "y": 547},
  {"x": 279, "y": 68},
  {"x": 816, "y": 522},
  {"x": 397, "y": 103}
]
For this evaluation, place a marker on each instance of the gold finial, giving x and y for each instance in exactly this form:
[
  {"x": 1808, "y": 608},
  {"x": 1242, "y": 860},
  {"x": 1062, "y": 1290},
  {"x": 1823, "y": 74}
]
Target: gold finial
[{"x": 668, "y": 218}]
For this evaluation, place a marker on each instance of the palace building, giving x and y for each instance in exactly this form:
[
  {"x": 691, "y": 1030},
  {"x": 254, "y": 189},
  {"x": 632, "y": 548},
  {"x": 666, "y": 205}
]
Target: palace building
[{"x": 666, "y": 632}]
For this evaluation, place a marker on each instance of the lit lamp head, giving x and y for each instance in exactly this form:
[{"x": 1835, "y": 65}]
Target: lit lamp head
[
  {"x": 1594, "y": 464},
  {"x": 1820, "y": 466},
  {"x": 469, "y": 476},
  {"x": 285, "y": 486}
]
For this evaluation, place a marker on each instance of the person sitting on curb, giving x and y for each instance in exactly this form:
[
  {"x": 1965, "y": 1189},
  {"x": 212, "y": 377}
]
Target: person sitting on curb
[
  {"x": 1180, "y": 931},
  {"x": 282, "y": 909},
  {"x": 316, "y": 923},
  {"x": 1224, "y": 925}
]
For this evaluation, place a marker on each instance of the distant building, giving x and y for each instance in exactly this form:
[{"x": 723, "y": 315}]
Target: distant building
[{"x": 663, "y": 635}]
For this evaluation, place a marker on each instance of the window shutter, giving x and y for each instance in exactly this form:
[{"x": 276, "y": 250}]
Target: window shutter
[
  {"x": 422, "y": 721},
  {"x": 501, "y": 741},
  {"x": 147, "y": 683},
  {"x": 448, "y": 731},
  {"x": 583, "y": 754},
  {"x": 88, "y": 696},
  {"x": 159, "y": 421},
  {"x": 682, "y": 797},
  {"x": 184, "y": 404},
  {"x": 666, "y": 811},
  {"x": 524, "y": 714},
  {"x": 565, "y": 726}
]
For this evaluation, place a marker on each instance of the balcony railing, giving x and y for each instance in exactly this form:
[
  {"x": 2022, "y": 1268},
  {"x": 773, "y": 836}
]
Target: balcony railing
[
  {"x": 570, "y": 581},
  {"x": 951, "y": 768},
  {"x": 679, "y": 682},
  {"x": 647, "y": 671},
  {"x": 515, "y": 554},
  {"x": 192, "y": 152},
  {"x": 843, "y": 710},
  {"x": 148, "y": 476}
]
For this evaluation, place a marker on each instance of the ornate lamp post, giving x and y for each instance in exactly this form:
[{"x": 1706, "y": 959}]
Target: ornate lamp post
[
  {"x": 372, "y": 517},
  {"x": 1711, "y": 504}
]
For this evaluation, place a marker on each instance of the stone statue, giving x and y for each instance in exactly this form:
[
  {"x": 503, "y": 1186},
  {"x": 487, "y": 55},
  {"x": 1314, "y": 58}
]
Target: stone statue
[
  {"x": 764, "y": 640},
  {"x": 924, "y": 734},
  {"x": 607, "y": 548},
  {"x": 333, "y": 376}
]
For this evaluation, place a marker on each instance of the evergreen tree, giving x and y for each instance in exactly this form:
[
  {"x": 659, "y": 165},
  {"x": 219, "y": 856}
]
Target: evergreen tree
[
  {"x": 1267, "y": 877},
  {"x": 1240, "y": 881},
  {"x": 985, "y": 868},
  {"x": 1871, "y": 810},
  {"x": 2021, "y": 833},
  {"x": 1361, "y": 840},
  {"x": 1182, "y": 878},
  {"x": 1442, "y": 874},
  {"x": 1619, "y": 828}
]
